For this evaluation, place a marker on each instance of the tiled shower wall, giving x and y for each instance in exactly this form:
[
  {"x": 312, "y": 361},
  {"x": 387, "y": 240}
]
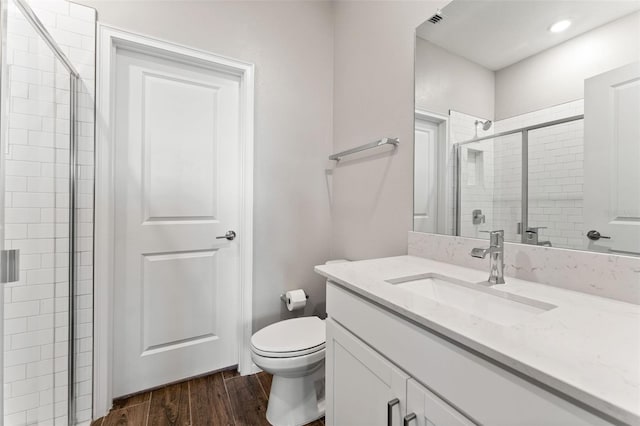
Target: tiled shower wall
[
  {"x": 476, "y": 174},
  {"x": 36, "y": 197},
  {"x": 555, "y": 176}
]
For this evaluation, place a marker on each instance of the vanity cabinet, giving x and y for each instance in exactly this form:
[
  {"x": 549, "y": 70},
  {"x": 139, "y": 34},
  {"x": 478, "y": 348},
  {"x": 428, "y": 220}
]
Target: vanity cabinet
[
  {"x": 368, "y": 390},
  {"x": 375, "y": 356}
]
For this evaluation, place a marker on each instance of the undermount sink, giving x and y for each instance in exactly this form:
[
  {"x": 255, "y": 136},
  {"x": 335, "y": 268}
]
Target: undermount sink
[{"x": 476, "y": 299}]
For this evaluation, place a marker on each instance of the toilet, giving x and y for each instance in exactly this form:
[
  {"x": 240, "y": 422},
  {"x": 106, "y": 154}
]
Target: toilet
[{"x": 293, "y": 351}]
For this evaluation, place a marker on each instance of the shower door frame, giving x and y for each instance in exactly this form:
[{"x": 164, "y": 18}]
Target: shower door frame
[
  {"x": 109, "y": 39},
  {"x": 524, "y": 195},
  {"x": 74, "y": 80},
  {"x": 3, "y": 119}
]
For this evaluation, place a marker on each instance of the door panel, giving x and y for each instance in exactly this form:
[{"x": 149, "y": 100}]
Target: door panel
[
  {"x": 193, "y": 302},
  {"x": 179, "y": 131},
  {"x": 612, "y": 155},
  {"x": 176, "y": 289}
]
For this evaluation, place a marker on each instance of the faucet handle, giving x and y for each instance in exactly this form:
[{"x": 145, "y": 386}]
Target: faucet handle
[
  {"x": 495, "y": 237},
  {"x": 535, "y": 229},
  {"x": 497, "y": 232}
]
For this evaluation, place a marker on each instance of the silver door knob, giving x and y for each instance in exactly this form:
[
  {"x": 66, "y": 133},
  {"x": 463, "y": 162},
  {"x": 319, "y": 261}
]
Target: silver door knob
[
  {"x": 594, "y": 235},
  {"x": 230, "y": 235}
]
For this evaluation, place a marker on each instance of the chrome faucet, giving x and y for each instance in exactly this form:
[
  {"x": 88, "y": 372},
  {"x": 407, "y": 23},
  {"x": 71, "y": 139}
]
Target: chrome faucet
[
  {"x": 496, "y": 250},
  {"x": 531, "y": 236}
]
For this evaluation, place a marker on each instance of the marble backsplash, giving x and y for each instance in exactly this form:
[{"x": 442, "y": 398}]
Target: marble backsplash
[{"x": 600, "y": 274}]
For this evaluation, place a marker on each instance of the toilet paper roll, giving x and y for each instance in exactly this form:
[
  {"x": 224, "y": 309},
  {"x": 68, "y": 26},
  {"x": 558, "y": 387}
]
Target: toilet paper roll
[{"x": 296, "y": 299}]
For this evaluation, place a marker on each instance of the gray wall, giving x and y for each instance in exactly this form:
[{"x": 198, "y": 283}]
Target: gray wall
[
  {"x": 291, "y": 44},
  {"x": 346, "y": 66},
  {"x": 557, "y": 75},
  {"x": 446, "y": 81},
  {"x": 373, "y": 98}
]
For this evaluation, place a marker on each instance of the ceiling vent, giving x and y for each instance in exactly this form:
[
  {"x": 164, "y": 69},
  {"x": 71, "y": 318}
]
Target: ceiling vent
[{"x": 436, "y": 18}]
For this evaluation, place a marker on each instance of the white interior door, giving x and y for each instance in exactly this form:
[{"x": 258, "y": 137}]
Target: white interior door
[
  {"x": 425, "y": 193},
  {"x": 612, "y": 158},
  {"x": 177, "y": 181}
]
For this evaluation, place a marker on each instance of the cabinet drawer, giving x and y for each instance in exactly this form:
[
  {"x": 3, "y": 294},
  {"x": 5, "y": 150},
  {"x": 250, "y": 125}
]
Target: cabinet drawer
[{"x": 482, "y": 390}]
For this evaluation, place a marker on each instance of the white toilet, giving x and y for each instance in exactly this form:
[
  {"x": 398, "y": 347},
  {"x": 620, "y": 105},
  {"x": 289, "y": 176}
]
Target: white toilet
[{"x": 293, "y": 351}]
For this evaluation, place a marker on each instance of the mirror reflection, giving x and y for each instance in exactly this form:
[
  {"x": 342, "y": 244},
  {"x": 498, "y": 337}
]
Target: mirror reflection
[{"x": 527, "y": 119}]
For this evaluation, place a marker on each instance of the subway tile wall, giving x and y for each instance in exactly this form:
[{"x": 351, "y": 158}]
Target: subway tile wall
[
  {"x": 36, "y": 215},
  {"x": 491, "y": 176},
  {"x": 556, "y": 174},
  {"x": 476, "y": 173}
]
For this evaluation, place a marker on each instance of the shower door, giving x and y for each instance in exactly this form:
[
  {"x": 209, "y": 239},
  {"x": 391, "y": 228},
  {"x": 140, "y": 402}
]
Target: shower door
[
  {"x": 37, "y": 132},
  {"x": 489, "y": 188}
]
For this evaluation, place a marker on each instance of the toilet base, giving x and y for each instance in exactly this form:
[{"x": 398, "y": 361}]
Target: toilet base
[{"x": 295, "y": 401}]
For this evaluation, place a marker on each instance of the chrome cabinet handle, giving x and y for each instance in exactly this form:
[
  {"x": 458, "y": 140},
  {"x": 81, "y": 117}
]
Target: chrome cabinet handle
[
  {"x": 230, "y": 235},
  {"x": 409, "y": 418},
  {"x": 390, "y": 405},
  {"x": 594, "y": 235}
]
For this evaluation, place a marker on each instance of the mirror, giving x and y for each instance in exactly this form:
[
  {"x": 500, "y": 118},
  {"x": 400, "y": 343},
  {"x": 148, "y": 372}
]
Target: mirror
[{"x": 527, "y": 119}]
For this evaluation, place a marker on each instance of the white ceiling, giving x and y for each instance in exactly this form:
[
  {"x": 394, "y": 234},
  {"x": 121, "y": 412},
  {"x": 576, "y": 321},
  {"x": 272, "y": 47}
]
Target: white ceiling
[{"x": 498, "y": 33}]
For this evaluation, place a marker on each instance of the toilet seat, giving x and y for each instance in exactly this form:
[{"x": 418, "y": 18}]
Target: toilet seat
[
  {"x": 290, "y": 338},
  {"x": 292, "y": 354}
]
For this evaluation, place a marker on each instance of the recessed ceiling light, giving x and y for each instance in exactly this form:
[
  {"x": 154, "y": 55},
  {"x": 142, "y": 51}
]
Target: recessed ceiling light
[{"x": 560, "y": 26}]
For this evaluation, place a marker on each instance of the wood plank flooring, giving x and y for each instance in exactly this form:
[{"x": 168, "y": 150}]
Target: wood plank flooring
[{"x": 221, "y": 399}]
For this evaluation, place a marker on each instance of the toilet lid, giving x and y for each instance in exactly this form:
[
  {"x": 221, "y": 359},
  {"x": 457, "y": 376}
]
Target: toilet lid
[{"x": 293, "y": 335}]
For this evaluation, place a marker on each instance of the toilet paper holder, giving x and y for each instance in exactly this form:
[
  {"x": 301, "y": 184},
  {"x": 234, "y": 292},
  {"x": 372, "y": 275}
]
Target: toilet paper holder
[{"x": 283, "y": 297}]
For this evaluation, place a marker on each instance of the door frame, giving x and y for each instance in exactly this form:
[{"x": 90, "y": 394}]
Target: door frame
[{"x": 108, "y": 41}]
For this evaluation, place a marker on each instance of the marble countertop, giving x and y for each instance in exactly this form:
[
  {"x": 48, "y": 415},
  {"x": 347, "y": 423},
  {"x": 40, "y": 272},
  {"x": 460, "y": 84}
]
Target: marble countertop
[{"x": 587, "y": 348}]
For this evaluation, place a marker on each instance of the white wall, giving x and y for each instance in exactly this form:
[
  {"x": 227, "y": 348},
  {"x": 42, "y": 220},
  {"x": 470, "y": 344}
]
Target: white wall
[
  {"x": 373, "y": 98},
  {"x": 291, "y": 44},
  {"x": 445, "y": 81},
  {"x": 530, "y": 86}
]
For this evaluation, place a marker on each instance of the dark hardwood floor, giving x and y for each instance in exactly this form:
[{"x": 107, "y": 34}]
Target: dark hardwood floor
[{"x": 224, "y": 398}]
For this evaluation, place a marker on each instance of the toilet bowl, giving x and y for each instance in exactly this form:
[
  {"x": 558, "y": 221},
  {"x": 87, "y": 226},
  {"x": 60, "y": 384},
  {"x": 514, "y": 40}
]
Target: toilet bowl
[{"x": 293, "y": 351}]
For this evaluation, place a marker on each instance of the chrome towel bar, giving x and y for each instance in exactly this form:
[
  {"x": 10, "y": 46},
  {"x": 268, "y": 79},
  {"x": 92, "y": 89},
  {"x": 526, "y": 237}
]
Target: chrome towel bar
[{"x": 383, "y": 141}]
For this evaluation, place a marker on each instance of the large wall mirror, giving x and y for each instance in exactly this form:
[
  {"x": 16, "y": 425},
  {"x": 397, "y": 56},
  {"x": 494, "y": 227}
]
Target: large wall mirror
[{"x": 527, "y": 119}]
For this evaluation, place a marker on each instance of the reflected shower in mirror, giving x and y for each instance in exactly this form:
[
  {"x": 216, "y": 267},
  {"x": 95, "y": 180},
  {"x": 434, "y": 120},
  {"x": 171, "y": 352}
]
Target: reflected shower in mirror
[{"x": 528, "y": 126}]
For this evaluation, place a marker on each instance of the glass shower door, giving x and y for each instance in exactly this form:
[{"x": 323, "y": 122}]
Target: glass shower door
[
  {"x": 37, "y": 134},
  {"x": 490, "y": 187}
]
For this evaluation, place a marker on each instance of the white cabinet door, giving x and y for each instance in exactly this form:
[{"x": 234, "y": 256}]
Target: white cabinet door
[
  {"x": 611, "y": 158},
  {"x": 176, "y": 190},
  {"x": 426, "y": 409},
  {"x": 363, "y": 388}
]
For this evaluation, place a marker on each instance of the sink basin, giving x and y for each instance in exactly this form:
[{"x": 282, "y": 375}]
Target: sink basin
[{"x": 480, "y": 300}]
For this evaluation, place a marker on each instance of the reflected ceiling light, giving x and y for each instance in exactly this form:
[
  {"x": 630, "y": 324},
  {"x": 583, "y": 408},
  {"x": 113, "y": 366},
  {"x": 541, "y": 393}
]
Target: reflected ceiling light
[{"x": 560, "y": 26}]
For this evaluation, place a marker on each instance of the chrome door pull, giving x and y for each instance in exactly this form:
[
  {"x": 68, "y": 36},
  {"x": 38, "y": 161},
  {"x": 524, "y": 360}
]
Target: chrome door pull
[
  {"x": 390, "y": 405},
  {"x": 594, "y": 235},
  {"x": 409, "y": 418},
  {"x": 230, "y": 235}
]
